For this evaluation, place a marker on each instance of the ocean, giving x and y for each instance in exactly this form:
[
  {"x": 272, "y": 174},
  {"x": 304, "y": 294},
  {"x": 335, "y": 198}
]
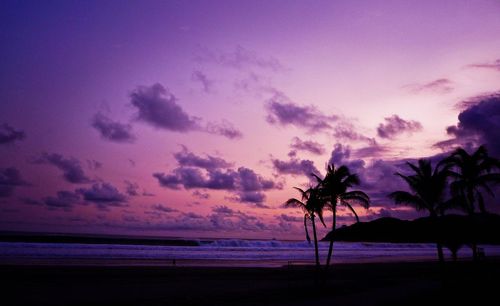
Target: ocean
[{"x": 223, "y": 252}]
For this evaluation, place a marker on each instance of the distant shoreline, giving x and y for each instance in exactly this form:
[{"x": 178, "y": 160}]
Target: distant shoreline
[{"x": 62, "y": 238}]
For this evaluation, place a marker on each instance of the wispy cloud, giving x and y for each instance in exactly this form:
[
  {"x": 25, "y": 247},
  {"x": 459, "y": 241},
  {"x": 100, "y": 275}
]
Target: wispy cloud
[
  {"x": 200, "y": 77},
  {"x": 439, "y": 86},
  {"x": 495, "y": 65},
  {"x": 239, "y": 58}
]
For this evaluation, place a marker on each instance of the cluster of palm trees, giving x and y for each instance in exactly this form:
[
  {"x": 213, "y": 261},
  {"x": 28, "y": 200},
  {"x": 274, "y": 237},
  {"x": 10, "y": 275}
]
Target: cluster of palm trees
[
  {"x": 458, "y": 181},
  {"x": 329, "y": 193}
]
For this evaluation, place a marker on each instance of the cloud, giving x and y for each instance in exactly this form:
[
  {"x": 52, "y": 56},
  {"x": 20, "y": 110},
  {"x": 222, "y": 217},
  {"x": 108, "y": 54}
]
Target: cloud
[
  {"x": 224, "y": 128},
  {"x": 223, "y": 209},
  {"x": 202, "y": 78},
  {"x": 282, "y": 111},
  {"x": 345, "y": 130},
  {"x": 9, "y": 135},
  {"x": 307, "y": 145},
  {"x": 163, "y": 208},
  {"x": 103, "y": 194},
  {"x": 288, "y": 218},
  {"x": 492, "y": 65},
  {"x": 71, "y": 167},
  {"x": 371, "y": 151},
  {"x": 93, "y": 164},
  {"x": 201, "y": 195},
  {"x": 341, "y": 156},
  {"x": 158, "y": 107},
  {"x": 295, "y": 167},
  {"x": 195, "y": 172},
  {"x": 63, "y": 200},
  {"x": 240, "y": 58},
  {"x": 10, "y": 178},
  {"x": 439, "y": 86},
  {"x": 395, "y": 126},
  {"x": 132, "y": 189},
  {"x": 112, "y": 130},
  {"x": 477, "y": 124}
]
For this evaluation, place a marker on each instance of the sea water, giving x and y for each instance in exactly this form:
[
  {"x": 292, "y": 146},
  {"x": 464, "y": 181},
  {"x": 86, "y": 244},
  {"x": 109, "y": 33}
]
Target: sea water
[{"x": 223, "y": 252}]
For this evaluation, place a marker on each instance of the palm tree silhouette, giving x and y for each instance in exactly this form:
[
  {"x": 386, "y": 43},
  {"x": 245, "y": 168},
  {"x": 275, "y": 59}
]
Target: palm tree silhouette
[
  {"x": 428, "y": 189},
  {"x": 333, "y": 188},
  {"x": 312, "y": 206},
  {"x": 472, "y": 175}
]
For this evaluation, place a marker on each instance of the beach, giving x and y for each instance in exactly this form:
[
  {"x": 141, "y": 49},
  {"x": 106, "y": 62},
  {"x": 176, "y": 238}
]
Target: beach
[{"x": 408, "y": 283}]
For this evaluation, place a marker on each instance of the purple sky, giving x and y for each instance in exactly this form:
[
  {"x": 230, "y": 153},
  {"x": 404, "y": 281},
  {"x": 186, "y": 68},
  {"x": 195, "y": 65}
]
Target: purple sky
[{"x": 196, "y": 118}]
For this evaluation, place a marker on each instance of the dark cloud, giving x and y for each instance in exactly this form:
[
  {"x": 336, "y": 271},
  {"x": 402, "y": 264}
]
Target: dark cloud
[
  {"x": 223, "y": 209},
  {"x": 71, "y": 167},
  {"x": 112, "y": 130},
  {"x": 158, "y": 107},
  {"x": 103, "y": 194},
  {"x": 224, "y": 128},
  {"x": 295, "y": 166},
  {"x": 372, "y": 151},
  {"x": 9, "y": 135},
  {"x": 202, "y": 78},
  {"x": 201, "y": 195},
  {"x": 254, "y": 197},
  {"x": 395, "y": 126},
  {"x": 288, "y": 218},
  {"x": 341, "y": 156},
  {"x": 492, "y": 65},
  {"x": 163, "y": 208},
  {"x": 478, "y": 124},
  {"x": 63, "y": 200},
  {"x": 439, "y": 86},
  {"x": 93, "y": 164},
  {"x": 307, "y": 145},
  {"x": 10, "y": 179},
  {"x": 282, "y": 111},
  {"x": 240, "y": 58},
  {"x": 214, "y": 173},
  {"x": 347, "y": 131},
  {"x": 132, "y": 189},
  {"x": 186, "y": 158}
]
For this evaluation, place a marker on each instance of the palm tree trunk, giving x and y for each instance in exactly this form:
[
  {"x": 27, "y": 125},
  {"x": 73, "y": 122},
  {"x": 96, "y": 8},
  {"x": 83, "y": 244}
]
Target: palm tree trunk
[
  {"x": 306, "y": 230},
  {"x": 330, "y": 248},
  {"x": 440, "y": 253},
  {"x": 316, "y": 250},
  {"x": 438, "y": 231}
]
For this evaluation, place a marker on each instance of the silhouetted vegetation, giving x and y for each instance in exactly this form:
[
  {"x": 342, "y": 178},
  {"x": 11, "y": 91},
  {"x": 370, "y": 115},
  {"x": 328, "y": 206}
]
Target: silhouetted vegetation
[{"x": 312, "y": 205}]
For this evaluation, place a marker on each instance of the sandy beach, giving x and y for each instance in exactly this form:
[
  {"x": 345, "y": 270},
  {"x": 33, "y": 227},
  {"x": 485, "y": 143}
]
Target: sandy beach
[{"x": 347, "y": 284}]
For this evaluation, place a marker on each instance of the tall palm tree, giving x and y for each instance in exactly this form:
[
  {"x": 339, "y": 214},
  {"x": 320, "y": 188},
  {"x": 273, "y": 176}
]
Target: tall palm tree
[
  {"x": 428, "y": 190},
  {"x": 312, "y": 206},
  {"x": 334, "y": 189},
  {"x": 472, "y": 176}
]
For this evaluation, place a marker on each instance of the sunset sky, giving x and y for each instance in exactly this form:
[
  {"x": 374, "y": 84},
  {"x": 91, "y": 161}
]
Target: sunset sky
[{"x": 196, "y": 118}]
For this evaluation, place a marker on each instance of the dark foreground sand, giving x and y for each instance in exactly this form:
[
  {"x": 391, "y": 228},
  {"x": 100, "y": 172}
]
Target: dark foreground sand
[{"x": 419, "y": 283}]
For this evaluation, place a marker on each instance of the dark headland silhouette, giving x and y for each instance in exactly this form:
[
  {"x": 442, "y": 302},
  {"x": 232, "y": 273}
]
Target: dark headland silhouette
[{"x": 452, "y": 231}]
